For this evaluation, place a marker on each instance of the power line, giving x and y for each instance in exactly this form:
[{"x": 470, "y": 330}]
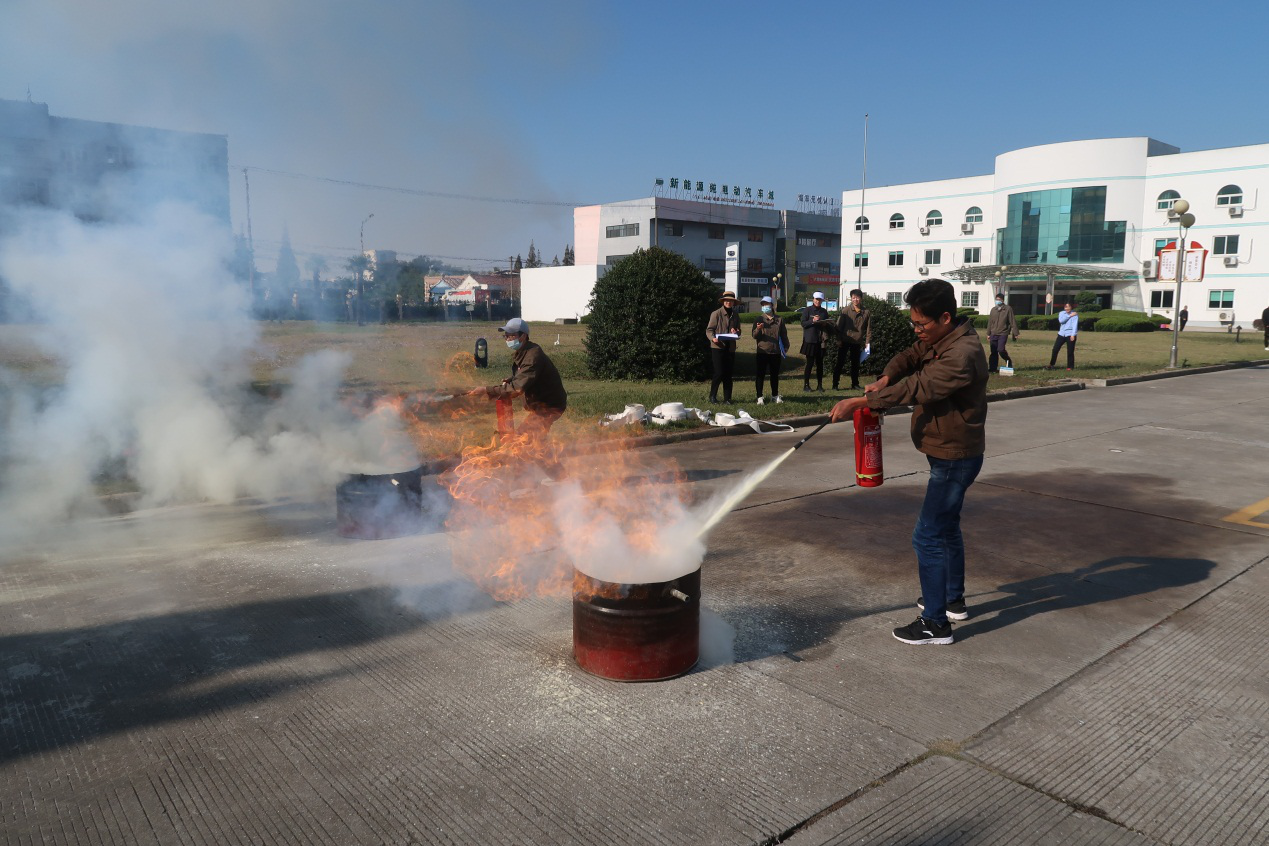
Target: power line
[{"x": 417, "y": 192}]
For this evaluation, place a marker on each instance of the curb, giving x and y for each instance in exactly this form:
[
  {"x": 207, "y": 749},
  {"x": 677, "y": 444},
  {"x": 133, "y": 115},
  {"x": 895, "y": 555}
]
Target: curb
[{"x": 1169, "y": 374}]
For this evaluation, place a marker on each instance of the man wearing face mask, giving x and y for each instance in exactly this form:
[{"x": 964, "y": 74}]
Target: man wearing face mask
[
  {"x": 1001, "y": 323},
  {"x": 534, "y": 377}
]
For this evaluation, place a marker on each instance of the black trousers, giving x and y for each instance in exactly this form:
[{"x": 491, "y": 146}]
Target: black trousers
[
  {"x": 816, "y": 357},
  {"x": 769, "y": 363},
  {"x": 724, "y": 363},
  {"x": 852, "y": 351},
  {"x": 1070, "y": 351},
  {"x": 998, "y": 351}
]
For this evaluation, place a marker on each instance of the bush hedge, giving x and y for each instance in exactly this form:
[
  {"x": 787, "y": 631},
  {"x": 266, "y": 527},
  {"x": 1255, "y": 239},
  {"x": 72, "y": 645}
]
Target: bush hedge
[
  {"x": 1123, "y": 324},
  {"x": 891, "y": 333}
]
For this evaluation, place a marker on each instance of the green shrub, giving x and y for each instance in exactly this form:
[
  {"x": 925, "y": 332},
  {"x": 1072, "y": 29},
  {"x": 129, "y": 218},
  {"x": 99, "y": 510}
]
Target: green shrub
[
  {"x": 966, "y": 311},
  {"x": 891, "y": 334},
  {"x": 980, "y": 320},
  {"x": 1122, "y": 324},
  {"x": 647, "y": 319},
  {"x": 1088, "y": 322},
  {"x": 1043, "y": 321},
  {"x": 1087, "y": 301}
]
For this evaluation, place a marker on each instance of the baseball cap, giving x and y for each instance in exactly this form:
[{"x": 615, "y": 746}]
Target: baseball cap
[
  {"x": 515, "y": 326},
  {"x": 818, "y": 296},
  {"x": 767, "y": 299}
]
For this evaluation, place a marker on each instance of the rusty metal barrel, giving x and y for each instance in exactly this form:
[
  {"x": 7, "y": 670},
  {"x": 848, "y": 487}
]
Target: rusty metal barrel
[
  {"x": 636, "y": 632},
  {"x": 388, "y": 505}
]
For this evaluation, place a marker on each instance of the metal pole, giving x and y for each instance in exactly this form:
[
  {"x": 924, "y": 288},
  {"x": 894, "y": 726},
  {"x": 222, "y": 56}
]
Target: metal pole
[
  {"x": 361, "y": 272},
  {"x": 1176, "y": 298},
  {"x": 863, "y": 191},
  {"x": 251, "y": 244}
]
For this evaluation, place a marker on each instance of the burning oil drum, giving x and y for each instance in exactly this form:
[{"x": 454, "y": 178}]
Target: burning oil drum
[
  {"x": 636, "y": 632},
  {"x": 387, "y": 505}
]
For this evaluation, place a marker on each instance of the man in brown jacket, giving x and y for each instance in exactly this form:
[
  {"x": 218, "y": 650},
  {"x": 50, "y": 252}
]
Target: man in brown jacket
[
  {"x": 1001, "y": 323},
  {"x": 854, "y": 332},
  {"x": 946, "y": 383},
  {"x": 725, "y": 322}
]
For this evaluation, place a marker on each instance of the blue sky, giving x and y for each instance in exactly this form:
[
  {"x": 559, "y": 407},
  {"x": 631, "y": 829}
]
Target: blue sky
[{"x": 574, "y": 101}]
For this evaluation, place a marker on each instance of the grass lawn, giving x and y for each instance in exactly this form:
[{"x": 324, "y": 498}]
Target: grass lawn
[{"x": 399, "y": 359}]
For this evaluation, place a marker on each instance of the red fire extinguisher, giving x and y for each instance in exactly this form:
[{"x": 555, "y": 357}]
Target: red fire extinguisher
[
  {"x": 506, "y": 419},
  {"x": 868, "y": 472}
]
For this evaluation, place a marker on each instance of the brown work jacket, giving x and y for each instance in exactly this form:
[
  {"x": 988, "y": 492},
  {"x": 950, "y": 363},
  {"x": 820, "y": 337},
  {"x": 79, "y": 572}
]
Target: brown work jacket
[
  {"x": 1001, "y": 321},
  {"x": 854, "y": 327},
  {"x": 534, "y": 376},
  {"x": 770, "y": 333},
  {"x": 721, "y": 323},
  {"x": 947, "y": 386}
]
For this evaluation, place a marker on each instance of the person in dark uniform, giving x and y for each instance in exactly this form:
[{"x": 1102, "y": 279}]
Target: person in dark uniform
[
  {"x": 854, "y": 332},
  {"x": 725, "y": 320},
  {"x": 816, "y": 330},
  {"x": 1185, "y": 318}
]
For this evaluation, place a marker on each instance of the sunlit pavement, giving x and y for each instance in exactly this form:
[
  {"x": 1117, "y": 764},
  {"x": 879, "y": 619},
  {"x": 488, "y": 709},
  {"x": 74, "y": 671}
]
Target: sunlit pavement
[{"x": 244, "y": 675}]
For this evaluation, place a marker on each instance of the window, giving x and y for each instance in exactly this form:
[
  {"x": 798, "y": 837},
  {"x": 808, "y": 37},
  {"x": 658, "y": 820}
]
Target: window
[
  {"x": 861, "y": 259},
  {"x": 973, "y": 255},
  {"x": 1161, "y": 299},
  {"x": 755, "y": 235},
  {"x": 1159, "y": 244},
  {"x": 717, "y": 232},
  {"x": 969, "y": 299},
  {"x": 895, "y": 298},
  {"x": 896, "y": 258},
  {"x": 973, "y": 214},
  {"x": 1225, "y": 245},
  {"x": 753, "y": 264},
  {"x": 933, "y": 256},
  {"x": 1230, "y": 195},
  {"x": 1166, "y": 200},
  {"x": 674, "y": 227},
  {"x": 623, "y": 230},
  {"x": 611, "y": 260},
  {"x": 1220, "y": 299},
  {"x": 934, "y": 218},
  {"x": 861, "y": 224},
  {"x": 896, "y": 221}
]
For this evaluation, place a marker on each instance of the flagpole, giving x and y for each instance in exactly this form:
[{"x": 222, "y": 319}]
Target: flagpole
[{"x": 863, "y": 188}]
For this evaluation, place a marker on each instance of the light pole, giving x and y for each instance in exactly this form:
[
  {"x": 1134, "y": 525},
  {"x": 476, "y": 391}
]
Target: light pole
[
  {"x": 776, "y": 285},
  {"x": 1185, "y": 219},
  {"x": 361, "y": 272},
  {"x": 1000, "y": 279}
]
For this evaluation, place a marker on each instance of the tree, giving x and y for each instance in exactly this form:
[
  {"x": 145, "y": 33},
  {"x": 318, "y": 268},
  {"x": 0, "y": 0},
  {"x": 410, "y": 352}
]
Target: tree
[
  {"x": 647, "y": 319},
  {"x": 519, "y": 265},
  {"x": 555, "y": 262},
  {"x": 533, "y": 257},
  {"x": 286, "y": 278},
  {"x": 1087, "y": 302},
  {"x": 568, "y": 256}
]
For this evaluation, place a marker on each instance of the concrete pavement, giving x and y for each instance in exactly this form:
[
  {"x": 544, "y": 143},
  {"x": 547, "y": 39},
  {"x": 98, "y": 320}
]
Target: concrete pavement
[{"x": 243, "y": 675}]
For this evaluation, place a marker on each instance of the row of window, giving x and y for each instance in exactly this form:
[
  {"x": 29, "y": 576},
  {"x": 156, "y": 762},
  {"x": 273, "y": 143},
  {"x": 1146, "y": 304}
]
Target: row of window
[
  {"x": 1215, "y": 299},
  {"x": 1222, "y": 245},
  {"x": 622, "y": 230},
  {"x": 972, "y": 255},
  {"x": 934, "y": 217},
  {"x": 1230, "y": 195}
]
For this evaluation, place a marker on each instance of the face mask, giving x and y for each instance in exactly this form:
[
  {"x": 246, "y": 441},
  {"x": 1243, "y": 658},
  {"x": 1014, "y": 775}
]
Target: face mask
[
  {"x": 766, "y": 309},
  {"x": 513, "y": 343},
  {"x": 1000, "y": 302}
]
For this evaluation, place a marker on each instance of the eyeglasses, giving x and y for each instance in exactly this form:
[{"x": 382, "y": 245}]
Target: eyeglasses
[{"x": 922, "y": 324}]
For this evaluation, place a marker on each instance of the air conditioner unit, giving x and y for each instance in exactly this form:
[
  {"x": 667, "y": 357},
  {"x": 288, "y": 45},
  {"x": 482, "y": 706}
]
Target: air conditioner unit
[
  {"x": 1235, "y": 211},
  {"x": 967, "y": 228},
  {"x": 1149, "y": 269},
  {"x": 923, "y": 270},
  {"x": 1231, "y": 261},
  {"x": 1173, "y": 214},
  {"x": 925, "y": 230}
]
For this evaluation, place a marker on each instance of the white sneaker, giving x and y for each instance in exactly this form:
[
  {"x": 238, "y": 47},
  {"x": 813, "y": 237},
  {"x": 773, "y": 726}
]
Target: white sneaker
[
  {"x": 781, "y": 399},
  {"x": 761, "y": 401}
]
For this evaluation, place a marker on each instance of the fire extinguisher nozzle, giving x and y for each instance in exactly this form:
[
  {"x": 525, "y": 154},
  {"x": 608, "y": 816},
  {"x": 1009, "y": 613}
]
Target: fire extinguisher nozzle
[{"x": 813, "y": 434}]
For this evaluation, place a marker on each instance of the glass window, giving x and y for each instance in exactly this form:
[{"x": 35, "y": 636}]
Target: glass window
[
  {"x": 973, "y": 215},
  {"x": 933, "y": 256},
  {"x": 1220, "y": 299},
  {"x": 861, "y": 259},
  {"x": 674, "y": 227},
  {"x": 896, "y": 221},
  {"x": 753, "y": 264},
  {"x": 969, "y": 299},
  {"x": 895, "y": 298},
  {"x": 1166, "y": 200},
  {"x": 1060, "y": 226},
  {"x": 934, "y": 218},
  {"x": 896, "y": 258},
  {"x": 1161, "y": 299},
  {"x": 1159, "y": 244},
  {"x": 622, "y": 230},
  {"x": 1225, "y": 245},
  {"x": 973, "y": 255},
  {"x": 755, "y": 235},
  {"x": 1230, "y": 195},
  {"x": 861, "y": 224},
  {"x": 717, "y": 231}
]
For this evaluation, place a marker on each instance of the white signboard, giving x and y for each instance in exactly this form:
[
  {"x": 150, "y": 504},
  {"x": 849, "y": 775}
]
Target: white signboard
[
  {"x": 1195, "y": 264},
  {"x": 732, "y": 266}
]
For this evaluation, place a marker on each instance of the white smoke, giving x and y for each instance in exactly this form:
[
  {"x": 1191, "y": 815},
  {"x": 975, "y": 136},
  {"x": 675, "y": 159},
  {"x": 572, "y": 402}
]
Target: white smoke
[{"x": 154, "y": 337}]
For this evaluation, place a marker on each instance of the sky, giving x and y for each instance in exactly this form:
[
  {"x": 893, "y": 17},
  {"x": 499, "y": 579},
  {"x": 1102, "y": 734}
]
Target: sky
[{"x": 541, "y": 106}]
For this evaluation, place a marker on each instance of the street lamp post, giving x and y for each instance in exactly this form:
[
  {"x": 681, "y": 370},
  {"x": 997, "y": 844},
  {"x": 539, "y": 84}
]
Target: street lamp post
[
  {"x": 1185, "y": 219},
  {"x": 1000, "y": 279},
  {"x": 361, "y": 272}
]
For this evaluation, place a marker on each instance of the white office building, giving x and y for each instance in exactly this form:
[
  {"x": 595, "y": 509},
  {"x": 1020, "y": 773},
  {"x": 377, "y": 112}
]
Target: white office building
[{"x": 1056, "y": 219}]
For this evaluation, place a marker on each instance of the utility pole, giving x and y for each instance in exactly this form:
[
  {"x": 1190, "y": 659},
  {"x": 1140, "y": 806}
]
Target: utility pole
[
  {"x": 361, "y": 272},
  {"x": 251, "y": 244}
]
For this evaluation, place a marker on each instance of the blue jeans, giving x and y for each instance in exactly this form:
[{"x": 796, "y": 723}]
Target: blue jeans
[{"x": 937, "y": 537}]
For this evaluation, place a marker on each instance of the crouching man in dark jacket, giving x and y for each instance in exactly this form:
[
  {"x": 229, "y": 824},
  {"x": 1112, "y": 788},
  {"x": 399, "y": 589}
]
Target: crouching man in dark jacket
[{"x": 944, "y": 377}]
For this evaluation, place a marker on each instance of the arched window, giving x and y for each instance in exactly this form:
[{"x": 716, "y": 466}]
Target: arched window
[
  {"x": 1230, "y": 195},
  {"x": 973, "y": 215},
  {"x": 861, "y": 224},
  {"x": 1166, "y": 200},
  {"x": 896, "y": 221},
  {"x": 934, "y": 217}
]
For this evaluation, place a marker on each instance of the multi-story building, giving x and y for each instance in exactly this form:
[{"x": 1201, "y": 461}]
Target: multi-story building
[
  {"x": 106, "y": 172},
  {"x": 778, "y": 251},
  {"x": 1056, "y": 219}
]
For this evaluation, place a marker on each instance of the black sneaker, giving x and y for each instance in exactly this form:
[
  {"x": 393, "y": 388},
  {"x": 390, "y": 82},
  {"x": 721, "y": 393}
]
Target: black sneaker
[
  {"x": 956, "y": 609},
  {"x": 923, "y": 631}
]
